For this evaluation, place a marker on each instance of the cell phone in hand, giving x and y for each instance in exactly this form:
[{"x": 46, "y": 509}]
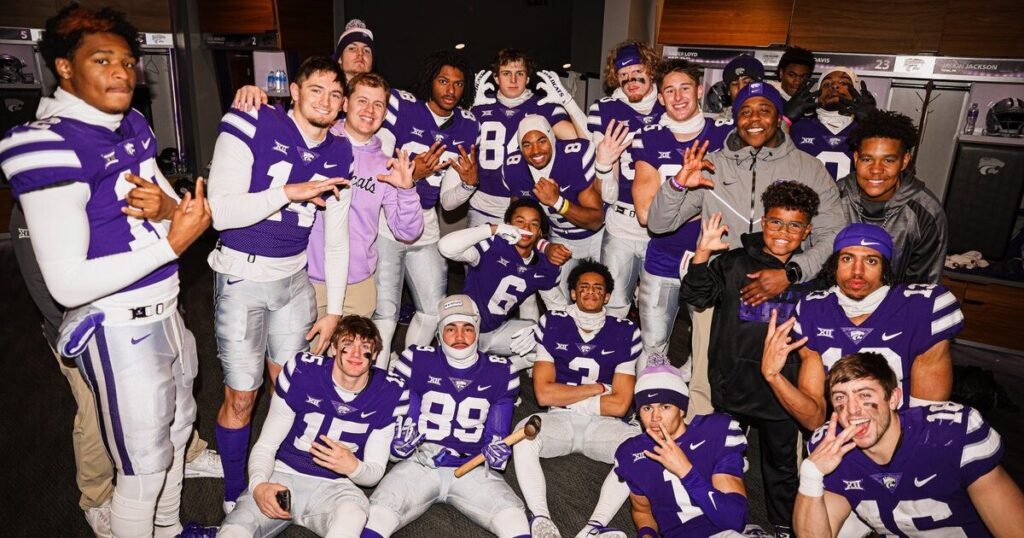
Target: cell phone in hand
[{"x": 284, "y": 500}]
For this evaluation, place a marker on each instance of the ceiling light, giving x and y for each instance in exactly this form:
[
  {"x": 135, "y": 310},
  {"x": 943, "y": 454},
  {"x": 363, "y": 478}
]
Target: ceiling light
[{"x": 460, "y": 46}]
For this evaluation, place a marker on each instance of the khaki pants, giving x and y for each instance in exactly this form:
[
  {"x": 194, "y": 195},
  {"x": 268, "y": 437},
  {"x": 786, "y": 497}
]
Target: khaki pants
[
  {"x": 94, "y": 472},
  {"x": 360, "y": 300},
  {"x": 700, "y": 388}
]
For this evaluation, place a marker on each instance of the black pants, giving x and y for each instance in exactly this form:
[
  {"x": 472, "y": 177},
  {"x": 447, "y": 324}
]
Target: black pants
[{"x": 777, "y": 442}]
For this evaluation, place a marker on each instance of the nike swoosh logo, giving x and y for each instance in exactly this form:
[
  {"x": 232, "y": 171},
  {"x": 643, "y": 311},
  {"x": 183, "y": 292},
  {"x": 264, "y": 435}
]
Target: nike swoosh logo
[
  {"x": 887, "y": 337},
  {"x": 329, "y": 165},
  {"x": 137, "y": 340},
  {"x": 230, "y": 282},
  {"x": 483, "y": 388},
  {"x": 695, "y": 446},
  {"x": 364, "y": 415},
  {"x": 865, "y": 243},
  {"x": 563, "y": 189},
  {"x": 920, "y": 483},
  {"x": 538, "y": 276},
  {"x": 607, "y": 352},
  {"x": 146, "y": 143},
  {"x": 711, "y": 495}
]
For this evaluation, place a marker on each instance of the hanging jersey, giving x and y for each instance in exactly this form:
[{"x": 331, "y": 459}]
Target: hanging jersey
[
  {"x": 658, "y": 147},
  {"x": 614, "y": 349},
  {"x": 451, "y": 406},
  {"x": 281, "y": 157},
  {"x": 573, "y": 170},
  {"x": 503, "y": 279},
  {"x": 55, "y": 150},
  {"x": 307, "y": 387},
  {"x": 923, "y": 489},
  {"x": 414, "y": 129},
  {"x": 812, "y": 137},
  {"x": 713, "y": 443},
  {"x": 909, "y": 320}
]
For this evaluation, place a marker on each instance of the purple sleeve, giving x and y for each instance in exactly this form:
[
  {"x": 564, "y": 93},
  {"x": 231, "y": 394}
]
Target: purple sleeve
[
  {"x": 621, "y": 469},
  {"x": 243, "y": 126},
  {"x": 941, "y": 317},
  {"x": 403, "y": 213},
  {"x": 35, "y": 156},
  {"x": 982, "y": 450}
]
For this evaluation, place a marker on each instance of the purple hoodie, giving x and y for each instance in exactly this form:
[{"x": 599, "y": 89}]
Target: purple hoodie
[{"x": 401, "y": 207}]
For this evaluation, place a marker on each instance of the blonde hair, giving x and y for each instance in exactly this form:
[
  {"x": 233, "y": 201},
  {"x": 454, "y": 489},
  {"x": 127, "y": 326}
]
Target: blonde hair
[{"x": 648, "y": 57}]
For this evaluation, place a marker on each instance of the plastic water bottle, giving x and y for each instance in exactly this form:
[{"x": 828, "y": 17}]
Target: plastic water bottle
[
  {"x": 271, "y": 81},
  {"x": 972, "y": 119},
  {"x": 282, "y": 81}
]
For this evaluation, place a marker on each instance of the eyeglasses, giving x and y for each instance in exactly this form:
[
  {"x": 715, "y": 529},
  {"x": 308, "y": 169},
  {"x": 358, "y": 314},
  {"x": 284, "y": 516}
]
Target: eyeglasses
[{"x": 792, "y": 227}]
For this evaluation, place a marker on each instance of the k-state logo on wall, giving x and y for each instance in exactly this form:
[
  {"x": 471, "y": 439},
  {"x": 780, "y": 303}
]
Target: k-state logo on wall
[{"x": 990, "y": 166}]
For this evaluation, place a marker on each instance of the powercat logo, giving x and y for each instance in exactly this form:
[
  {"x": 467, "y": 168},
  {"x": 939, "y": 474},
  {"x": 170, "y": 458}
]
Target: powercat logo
[{"x": 990, "y": 166}]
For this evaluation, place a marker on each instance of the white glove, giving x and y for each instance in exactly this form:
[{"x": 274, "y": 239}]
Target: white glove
[
  {"x": 523, "y": 342},
  {"x": 510, "y": 233},
  {"x": 482, "y": 84},
  {"x": 552, "y": 86}
]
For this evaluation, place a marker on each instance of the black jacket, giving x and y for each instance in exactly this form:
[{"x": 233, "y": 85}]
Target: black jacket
[
  {"x": 738, "y": 331},
  {"x": 914, "y": 219}
]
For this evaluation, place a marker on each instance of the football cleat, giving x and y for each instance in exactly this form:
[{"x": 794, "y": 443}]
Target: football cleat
[
  {"x": 196, "y": 530},
  {"x": 595, "y": 529},
  {"x": 206, "y": 465},
  {"x": 543, "y": 527},
  {"x": 98, "y": 517}
]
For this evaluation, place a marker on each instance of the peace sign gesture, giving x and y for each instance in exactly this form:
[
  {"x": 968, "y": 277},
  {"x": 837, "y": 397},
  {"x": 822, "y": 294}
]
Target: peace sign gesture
[{"x": 668, "y": 453}]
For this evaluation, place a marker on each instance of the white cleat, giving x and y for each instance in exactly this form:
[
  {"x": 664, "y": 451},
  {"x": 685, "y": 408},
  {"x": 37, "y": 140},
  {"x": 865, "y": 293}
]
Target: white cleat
[
  {"x": 99, "y": 519},
  {"x": 543, "y": 527},
  {"x": 206, "y": 465},
  {"x": 229, "y": 506}
]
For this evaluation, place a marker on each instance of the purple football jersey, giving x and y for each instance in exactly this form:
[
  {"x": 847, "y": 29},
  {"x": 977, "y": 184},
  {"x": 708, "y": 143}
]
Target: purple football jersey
[
  {"x": 281, "y": 157},
  {"x": 609, "y": 108},
  {"x": 813, "y": 138},
  {"x": 414, "y": 128},
  {"x": 923, "y": 489},
  {"x": 658, "y": 147},
  {"x": 714, "y": 445},
  {"x": 498, "y": 126},
  {"x": 451, "y": 406},
  {"x": 306, "y": 385},
  {"x": 503, "y": 279},
  {"x": 573, "y": 170},
  {"x": 54, "y": 150},
  {"x": 909, "y": 320},
  {"x": 584, "y": 362}
]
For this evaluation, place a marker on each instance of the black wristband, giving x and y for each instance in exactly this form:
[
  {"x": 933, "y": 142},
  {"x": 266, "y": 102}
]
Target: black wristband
[{"x": 793, "y": 273}]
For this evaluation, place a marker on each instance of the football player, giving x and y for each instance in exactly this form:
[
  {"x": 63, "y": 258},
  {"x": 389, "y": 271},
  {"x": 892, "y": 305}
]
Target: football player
[
  {"x": 270, "y": 172},
  {"x": 918, "y": 471},
  {"x": 433, "y": 125},
  {"x": 682, "y": 479},
  {"x": 505, "y": 264},
  {"x": 739, "y": 72},
  {"x": 910, "y": 325},
  {"x": 793, "y": 71},
  {"x": 460, "y": 405},
  {"x": 499, "y": 116},
  {"x": 884, "y": 191},
  {"x": 584, "y": 374},
  {"x": 107, "y": 230},
  {"x": 560, "y": 175},
  {"x": 328, "y": 432},
  {"x": 838, "y": 106},
  {"x": 657, "y": 155},
  {"x": 629, "y": 70}
]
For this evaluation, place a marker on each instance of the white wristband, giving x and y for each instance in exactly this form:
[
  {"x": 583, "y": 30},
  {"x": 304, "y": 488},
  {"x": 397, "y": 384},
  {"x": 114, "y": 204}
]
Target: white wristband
[
  {"x": 812, "y": 480},
  {"x": 558, "y": 203},
  {"x": 590, "y": 406}
]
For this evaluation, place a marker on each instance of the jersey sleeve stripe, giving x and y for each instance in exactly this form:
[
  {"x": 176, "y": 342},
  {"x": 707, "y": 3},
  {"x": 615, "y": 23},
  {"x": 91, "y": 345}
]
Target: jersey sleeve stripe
[
  {"x": 401, "y": 410},
  {"x": 947, "y": 321},
  {"x": 974, "y": 421},
  {"x": 635, "y": 350},
  {"x": 588, "y": 156},
  {"x": 985, "y": 448},
  {"x": 403, "y": 369},
  {"x": 284, "y": 382},
  {"x": 735, "y": 440},
  {"x": 637, "y": 143},
  {"x": 243, "y": 125},
  {"x": 390, "y": 118},
  {"x": 513, "y": 383},
  {"x": 29, "y": 137},
  {"x": 36, "y": 160},
  {"x": 942, "y": 301}
]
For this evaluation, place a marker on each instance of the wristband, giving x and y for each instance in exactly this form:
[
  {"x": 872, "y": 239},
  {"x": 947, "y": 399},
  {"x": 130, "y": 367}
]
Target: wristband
[
  {"x": 542, "y": 244},
  {"x": 787, "y": 121},
  {"x": 675, "y": 184},
  {"x": 598, "y": 169},
  {"x": 646, "y": 532},
  {"x": 564, "y": 208},
  {"x": 557, "y": 204},
  {"x": 812, "y": 480},
  {"x": 467, "y": 186}
]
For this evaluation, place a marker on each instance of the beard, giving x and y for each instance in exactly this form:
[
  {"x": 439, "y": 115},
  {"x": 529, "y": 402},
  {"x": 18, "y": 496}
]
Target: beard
[{"x": 321, "y": 124}]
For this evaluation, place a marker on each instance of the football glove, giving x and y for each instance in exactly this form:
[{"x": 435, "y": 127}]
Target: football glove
[
  {"x": 407, "y": 438},
  {"x": 482, "y": 84},
  {"x": 497, "y": 454},
  {"x": 553, "y": 88}
]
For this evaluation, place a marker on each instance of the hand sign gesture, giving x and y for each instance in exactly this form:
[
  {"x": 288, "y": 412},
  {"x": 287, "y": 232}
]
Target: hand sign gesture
[
  {"x": 827, "y": 455},
  {"x": 711, "y": 232},
  {"x": 466, "y": 166},
  {"x": 616, "y": 140},
  {"x": 777, "y": 345},
  {"x": 401, "y": 168},
  {"x": 691, "y": 175}
]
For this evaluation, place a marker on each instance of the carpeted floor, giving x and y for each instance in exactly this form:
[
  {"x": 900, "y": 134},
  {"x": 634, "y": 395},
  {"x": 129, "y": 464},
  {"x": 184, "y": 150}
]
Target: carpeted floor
[{"x": 39, "y": 492}]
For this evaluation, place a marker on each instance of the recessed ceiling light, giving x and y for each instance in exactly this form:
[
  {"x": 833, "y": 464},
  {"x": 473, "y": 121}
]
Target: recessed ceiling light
[
  {"x": 460, "y": 46},
  {"x": 566, "y": 66}
]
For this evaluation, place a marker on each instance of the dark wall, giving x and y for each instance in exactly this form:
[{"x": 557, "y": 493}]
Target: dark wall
[{"x": 405, "y": 31}]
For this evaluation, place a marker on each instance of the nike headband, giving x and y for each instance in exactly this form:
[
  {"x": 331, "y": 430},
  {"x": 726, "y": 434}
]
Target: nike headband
[{"x": 864, "y": 235}]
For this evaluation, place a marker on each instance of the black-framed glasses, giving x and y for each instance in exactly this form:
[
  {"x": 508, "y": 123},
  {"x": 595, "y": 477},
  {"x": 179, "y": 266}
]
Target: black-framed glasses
[{"x": 773, "y": 224}]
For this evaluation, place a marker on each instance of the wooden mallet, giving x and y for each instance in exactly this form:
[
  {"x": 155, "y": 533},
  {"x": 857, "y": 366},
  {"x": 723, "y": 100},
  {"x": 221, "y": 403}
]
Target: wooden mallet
[{"x": 529, "y": 431}]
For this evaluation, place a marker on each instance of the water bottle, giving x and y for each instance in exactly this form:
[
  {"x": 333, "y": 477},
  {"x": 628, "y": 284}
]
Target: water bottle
[
  {"x": 271, "y": 81},
  {"x": 282, "y": 82},
  {"x": 972, "y": 119}
]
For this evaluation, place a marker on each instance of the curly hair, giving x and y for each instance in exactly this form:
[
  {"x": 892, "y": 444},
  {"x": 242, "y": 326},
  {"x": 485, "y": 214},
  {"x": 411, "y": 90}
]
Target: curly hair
[
  {"x": 64, "y": 32},
  {"x": 827, "y": 275},
  {"x": 423, "y": 89},
  {"x": 588, "y": 265},
  {"x": 320, "y": 64},
  {"x": 650, "y": 59},
  {"x": 352, "y": 326},
  {"x": 532, "y": 204},
  {"x": 796, "y": 55},
  {"x": 884, "y": 124},
  {"x": 509, "y": 55},
  {"x": 676, "y": 65},
  {"x": 791, "y": 195}
]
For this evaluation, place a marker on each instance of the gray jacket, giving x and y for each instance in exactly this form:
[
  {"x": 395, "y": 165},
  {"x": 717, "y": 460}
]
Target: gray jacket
[
  {"x": 914, "y": 219},
  {"x": 741, "y": 175}
]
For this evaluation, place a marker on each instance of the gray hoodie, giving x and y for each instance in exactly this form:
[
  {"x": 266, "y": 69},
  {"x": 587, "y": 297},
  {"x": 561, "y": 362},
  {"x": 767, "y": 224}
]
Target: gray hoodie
[
  {"x": 741, "y": 175},
  {"x": 914, "y": 219}
]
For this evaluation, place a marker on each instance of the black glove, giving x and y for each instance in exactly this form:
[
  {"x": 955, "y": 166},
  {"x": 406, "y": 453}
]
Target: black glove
[
  {"x": 861, "y": 103},
  {"x": 802, "y": 103}
]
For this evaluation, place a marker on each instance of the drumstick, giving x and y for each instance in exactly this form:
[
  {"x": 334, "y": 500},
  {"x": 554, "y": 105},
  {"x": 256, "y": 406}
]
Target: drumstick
[{"x": 529, "y": 431}]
